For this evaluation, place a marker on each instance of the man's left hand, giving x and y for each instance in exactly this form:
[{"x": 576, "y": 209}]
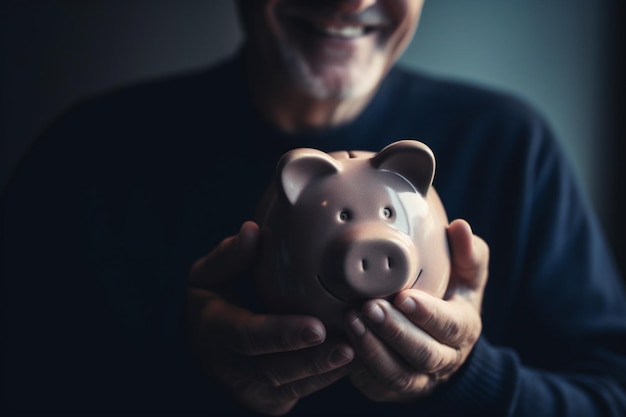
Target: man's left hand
[{"x": 405, "y": 349}]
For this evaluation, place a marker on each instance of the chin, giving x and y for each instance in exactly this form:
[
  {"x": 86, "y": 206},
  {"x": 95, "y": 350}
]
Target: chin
[{"x": 335, "y": 83}]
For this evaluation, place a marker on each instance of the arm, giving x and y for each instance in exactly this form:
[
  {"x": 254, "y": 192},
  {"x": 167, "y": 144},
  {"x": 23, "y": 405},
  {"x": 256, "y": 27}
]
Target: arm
[
  {"x": 266, "y": 362},
  {"x": 554, "y": 332},
  {"x": 408, "y": 350}
]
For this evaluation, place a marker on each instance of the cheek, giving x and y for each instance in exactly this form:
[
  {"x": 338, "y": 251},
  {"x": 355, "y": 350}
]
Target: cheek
[{"x": 405, "y": 15}]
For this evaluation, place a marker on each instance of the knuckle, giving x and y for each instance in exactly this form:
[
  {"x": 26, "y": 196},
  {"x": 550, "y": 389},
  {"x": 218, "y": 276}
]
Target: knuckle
[
  {"x": 430, "y": 317},
  {"x": 270, "y": 377},
  {"x": 471, "y": 330},
  {"x": 453, "y": 327},
  {"x": 318, "y": 366},
  {"x": 434, "y": 361},
  {"x": 485, "y": 248},
  {"x": 448, "y": 367},
  {"x": 403, "y": 383},
  {"x": 396, "y": 334},
  {"x": 370, "y": 354},
  {"x": 475, "y": 332},
  {"x": 289, "y": 392},
  {"x": 430, "y": 359},
  {"x": 463, "y": 329}
]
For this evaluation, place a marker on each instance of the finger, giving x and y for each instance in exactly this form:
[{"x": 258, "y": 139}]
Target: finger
[
  {"x": 233, "y": 255},
  {"x": 470, "y": 262},
  {"x": 308, "y": 386},
  {"x": 454, "y": 322},
  {"x": 386, "y": 375},
  {"x": 414, "y": 345},
  {"x": 245, "y": 332},
  {"x": 381, "y": 363},
  {"x": 261, "y": 334},
  {"x": 280, "y": 400},
  {"x": 286, "y": 368}
]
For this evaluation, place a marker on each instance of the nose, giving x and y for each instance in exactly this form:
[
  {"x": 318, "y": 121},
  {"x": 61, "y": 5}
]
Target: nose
[
  {"x": 378, "y": 268},
  {"x": 370, "y": 262}
]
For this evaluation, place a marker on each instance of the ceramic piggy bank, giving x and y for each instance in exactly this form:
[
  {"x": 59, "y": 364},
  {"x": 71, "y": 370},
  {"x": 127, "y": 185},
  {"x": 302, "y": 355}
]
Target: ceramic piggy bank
[{"x": 344, "y": 227}]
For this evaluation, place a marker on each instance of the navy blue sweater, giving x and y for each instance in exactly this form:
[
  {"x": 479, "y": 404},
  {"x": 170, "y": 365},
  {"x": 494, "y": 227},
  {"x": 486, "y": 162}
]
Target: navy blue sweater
[{"x": 106, "y": 214}]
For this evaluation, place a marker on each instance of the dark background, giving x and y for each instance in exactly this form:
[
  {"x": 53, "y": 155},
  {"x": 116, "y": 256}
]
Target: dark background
[{"x": 565, "y": 57}]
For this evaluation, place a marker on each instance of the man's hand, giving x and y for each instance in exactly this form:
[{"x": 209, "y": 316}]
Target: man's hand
[
  {"x": 266, "y": 362},
  {"x": 405, "y": 349}
]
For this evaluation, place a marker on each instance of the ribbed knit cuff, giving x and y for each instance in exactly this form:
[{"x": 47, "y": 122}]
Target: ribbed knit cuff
[{"x": 484, "y": 386}]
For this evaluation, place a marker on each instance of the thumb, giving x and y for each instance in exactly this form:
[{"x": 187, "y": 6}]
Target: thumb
[
  {"x": 470, "y": 260},
  {"x": 232, "y": 256}
]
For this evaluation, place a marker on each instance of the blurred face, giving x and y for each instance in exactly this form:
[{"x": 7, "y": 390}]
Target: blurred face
[{"x": 329, "y": 49}]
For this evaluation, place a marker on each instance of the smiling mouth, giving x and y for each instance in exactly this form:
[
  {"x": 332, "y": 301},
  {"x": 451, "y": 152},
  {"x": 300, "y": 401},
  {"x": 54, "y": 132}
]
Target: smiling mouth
[
  {"x": 319, "y": 279},
  {"x": 337, "y": 31},
  {"x": 335, "y": 296},
  {"x": 346, "y": 32}
]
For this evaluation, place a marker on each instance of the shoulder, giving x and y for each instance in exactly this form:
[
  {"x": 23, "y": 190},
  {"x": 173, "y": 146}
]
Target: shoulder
[
  {"x": 492, "y": 146},
  {"x": 471, "y": 118},
  {"x": 457, "y": 97},
  {"x": 458, "y": 108},
  {"x": 143, "y": 123},
  {"x": 155, "y": 101}
]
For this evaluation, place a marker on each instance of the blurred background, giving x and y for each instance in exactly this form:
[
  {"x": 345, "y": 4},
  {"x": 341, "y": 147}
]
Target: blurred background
[{"x": 564, "y": 57}]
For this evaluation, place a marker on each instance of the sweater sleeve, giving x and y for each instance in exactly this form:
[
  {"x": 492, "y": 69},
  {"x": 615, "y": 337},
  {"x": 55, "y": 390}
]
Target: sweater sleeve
[{"x": 559, "y": 349}]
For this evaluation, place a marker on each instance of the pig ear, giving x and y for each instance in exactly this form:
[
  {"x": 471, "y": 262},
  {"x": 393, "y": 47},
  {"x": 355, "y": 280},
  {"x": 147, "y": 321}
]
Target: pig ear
[
  {"x": 299, "y": 167},
  {"x": 410, "y": 159}
]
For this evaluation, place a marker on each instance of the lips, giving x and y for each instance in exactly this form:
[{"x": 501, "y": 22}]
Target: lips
[
  {"x": 328, "y": 24},
  {"x": 341, "y": 32},
  {"x": 337, "y": 30}
]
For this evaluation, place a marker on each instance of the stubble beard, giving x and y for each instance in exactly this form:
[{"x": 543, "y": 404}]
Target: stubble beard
[{"x": 339, "y": 83}]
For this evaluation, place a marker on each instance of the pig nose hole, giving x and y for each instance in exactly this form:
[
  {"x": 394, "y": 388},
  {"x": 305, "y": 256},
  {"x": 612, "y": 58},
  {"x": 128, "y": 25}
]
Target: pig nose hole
[
  {"x": 364, "y": 264},
  {"x": 389, "y": 263}
]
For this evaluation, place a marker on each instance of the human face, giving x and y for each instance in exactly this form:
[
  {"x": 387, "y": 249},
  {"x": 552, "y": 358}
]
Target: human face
[{"x": 329, "y": 49}]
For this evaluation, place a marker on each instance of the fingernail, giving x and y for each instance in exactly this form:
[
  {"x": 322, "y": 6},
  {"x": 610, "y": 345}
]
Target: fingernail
[
  {"x": 408, "y": 305},
  {"x": 357, "y": 326},
  {"x": 375, "y": 313},
  {"x": 312, "y": 336},
  {"x": 340, "y": 356}
]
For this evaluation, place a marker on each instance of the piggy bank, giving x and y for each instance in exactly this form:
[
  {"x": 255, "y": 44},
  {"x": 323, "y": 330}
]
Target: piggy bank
[{"x": 344, "y": 227}]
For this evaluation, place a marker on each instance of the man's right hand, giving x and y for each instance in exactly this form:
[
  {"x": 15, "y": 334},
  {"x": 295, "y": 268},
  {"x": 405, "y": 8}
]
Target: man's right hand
[{"x": 266, "y": 362}]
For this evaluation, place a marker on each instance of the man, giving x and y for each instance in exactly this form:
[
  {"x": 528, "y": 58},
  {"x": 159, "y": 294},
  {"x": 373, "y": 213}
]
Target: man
[
  {"x": 315, "y": 67},
  {"x": 127, "y": 193}
]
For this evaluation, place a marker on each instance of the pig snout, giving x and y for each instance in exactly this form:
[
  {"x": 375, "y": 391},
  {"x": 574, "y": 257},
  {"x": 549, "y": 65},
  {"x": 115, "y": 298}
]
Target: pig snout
[{"x": 370, "y": 261}]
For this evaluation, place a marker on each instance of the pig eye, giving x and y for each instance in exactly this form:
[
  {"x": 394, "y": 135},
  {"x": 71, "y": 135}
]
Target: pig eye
[
  {"x": 387, "y": 213},
  {"x": 344, "y": 215}
]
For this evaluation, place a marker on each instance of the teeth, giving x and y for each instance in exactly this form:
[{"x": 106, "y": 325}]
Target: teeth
[{"x": 344, "y": 31}]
